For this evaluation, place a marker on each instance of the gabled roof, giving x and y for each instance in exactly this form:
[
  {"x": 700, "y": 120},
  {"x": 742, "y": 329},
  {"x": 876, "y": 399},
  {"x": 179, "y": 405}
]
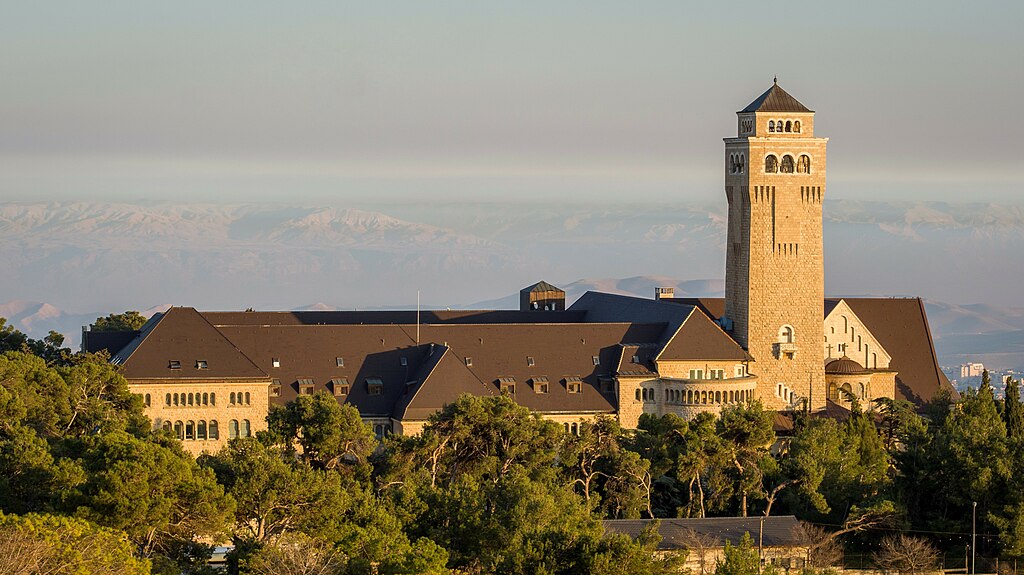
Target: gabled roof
[
  {"x": 699, "y": 338},
  {"x": 644, "y": 360},
  {"x": 541, "y": 286},
  {"x": 441, "y": 380},
  {"x": 182, "y": 335},
  {"x": 778, "y": 531},
  {"x": 901, "y": 326},
  {"x": 775, "y": 99}
]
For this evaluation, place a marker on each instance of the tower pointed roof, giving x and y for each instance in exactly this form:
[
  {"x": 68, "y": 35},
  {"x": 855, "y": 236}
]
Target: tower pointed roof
[{"x": 775, "y": 99}]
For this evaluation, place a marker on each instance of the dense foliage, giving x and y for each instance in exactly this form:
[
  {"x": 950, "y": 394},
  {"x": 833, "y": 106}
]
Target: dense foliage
[{"x": 486, "y": 487}]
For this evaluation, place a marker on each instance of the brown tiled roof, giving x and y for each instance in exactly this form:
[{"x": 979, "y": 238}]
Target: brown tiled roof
[
  {"x": 775, "y": 99},
  {"x": 778, "y": 531},
  {"x": 700, "y": 338},
  {"x": 541, "y": 286},
  {"x": 644, "y": 364},
  {"x": 397, "y": 317},
  {"x": 442, "y": 379},
  {"x": 182, "y": 335},
  {"x": 713, "y": 307},
  {"x": 901, "y": 327}
]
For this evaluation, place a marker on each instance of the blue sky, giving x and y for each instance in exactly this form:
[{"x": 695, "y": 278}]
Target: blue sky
[{"x": 340, "y": 102}]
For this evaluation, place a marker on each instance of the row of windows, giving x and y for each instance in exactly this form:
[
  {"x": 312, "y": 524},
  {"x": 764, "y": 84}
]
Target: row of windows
[
  {"x": 176, "y": 364},
  {"x": 382, "y": 429},
  {"x": 202, "y": 430},
  {"x": 709, "y": 374},
  {"x": 737, "y": 163},
  {"x": 845, "y": 392},
  {"x": 692, "y": 397},
  {"x": 200, "y": 399},
  {"x": 772, "y": 165},
  {"x": 784, "y": 126}
]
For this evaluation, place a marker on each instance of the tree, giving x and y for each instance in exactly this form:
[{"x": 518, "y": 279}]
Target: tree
[
  {"x": 906, "y": 554},
  {"x": 153, "y": 491},
  {"x": 332, "y": 436},
  {"x": 1013, "y": 411},
  {"x": 748, "y": 433},
  {"x": 296, "y": 554},
  {"x": 739, "y": 559},
  {"x": 823, "y": 548},
  {"x": 605, "y": 473},
  {"x": 64, "y": 546},
  {"x": 127, "y": 321},
  {"x": 619, "y": 554}
]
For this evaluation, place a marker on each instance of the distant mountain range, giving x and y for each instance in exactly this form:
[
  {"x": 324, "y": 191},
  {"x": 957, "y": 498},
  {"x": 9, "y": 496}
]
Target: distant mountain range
[{"x": 112, "y": 257}]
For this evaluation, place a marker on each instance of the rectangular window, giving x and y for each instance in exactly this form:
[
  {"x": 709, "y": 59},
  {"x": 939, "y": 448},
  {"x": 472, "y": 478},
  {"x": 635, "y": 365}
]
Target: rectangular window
[
  {"x": 201, "y": 364},
  {"x": 339, "y": 386},
  {"x": 469, "y": 362},
  {"x": 540, "y": 385},
  {"x": 597, "y": 360},
  {"x": 174, "y": 364},
  {"x": 574, "y": 385},
  {"x": 404, "y": 361},
  {"x": 374, "y": 386},
  {"x": 275, "y": 362},
  {"x": 636, "y": 359},
  {"x": 339, "y": 361},
  {"x": 530, "y": 362}
]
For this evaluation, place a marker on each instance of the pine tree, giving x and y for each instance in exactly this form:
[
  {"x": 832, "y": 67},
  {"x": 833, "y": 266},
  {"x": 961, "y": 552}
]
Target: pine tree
[{"x": 1013, "y": 411}]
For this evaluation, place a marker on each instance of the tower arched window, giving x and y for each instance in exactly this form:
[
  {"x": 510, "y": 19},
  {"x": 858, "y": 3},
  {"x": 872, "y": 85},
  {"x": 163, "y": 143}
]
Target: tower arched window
[
  {"x": 796, "y": 126},
  {"x": 201, "y": 430},
  {"x": 247, "y": 398},
  {"x": 167, "y": 399},
  {"x": 743, "y": 162},
  {"x": 786, "y": 334},
  {"x": 231, "y": 398},
  {"x": 863, "y": 391},
  {"x": 244, "y": 432},
  {"x": 179, "y": 430},
  {"x": 638, "y": 398},
  {"x": 771, "y": 164},
  {"x": 803, "y": 164},
  {"x": 206, "y": 399},
  {"x": 213, "y": 399},
  {"x": 771, "y": 125},
  {"x": 789, "y": 126},
  {"x": 787, "y": 164}
]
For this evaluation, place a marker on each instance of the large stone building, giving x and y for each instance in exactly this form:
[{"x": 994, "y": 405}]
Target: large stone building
[{"x": 211, "y": 376}]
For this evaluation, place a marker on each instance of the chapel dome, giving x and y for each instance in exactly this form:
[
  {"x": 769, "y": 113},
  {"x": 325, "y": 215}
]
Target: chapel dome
[{"x": 844, "y": 366}]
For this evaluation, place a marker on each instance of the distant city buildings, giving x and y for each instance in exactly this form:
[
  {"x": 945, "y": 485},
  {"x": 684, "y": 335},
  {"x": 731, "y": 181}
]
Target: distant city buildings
[
  {"x": 971, "y": 369},
  {"x": 774, "y": 337}
]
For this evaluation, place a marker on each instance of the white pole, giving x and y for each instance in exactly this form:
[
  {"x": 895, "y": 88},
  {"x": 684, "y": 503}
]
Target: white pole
[{"x": 417, "y": 317}]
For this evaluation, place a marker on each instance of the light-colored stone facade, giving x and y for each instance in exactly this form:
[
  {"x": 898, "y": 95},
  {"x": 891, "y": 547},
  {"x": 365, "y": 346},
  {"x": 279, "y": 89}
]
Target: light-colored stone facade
[
  {"x": 205, "y": 414},
  {"x": 775, "y": 183}
]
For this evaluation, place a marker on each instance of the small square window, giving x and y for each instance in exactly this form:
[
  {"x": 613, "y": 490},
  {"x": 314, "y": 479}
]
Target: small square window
[
  {"x": 174, "y": 364},
  {"x": 540, "y": 385},
  {"x": 275, "y": 362},
  {"x": 339, "y": 361},
  {"x": 469, "y": 362},
  {"x": 201, "y": 364},
  {"x": 404, "y": 361},
  {"x": 530, "y": 362},
  {"x": 636, "y": 359},
  {"x": 597, "y": 360}
]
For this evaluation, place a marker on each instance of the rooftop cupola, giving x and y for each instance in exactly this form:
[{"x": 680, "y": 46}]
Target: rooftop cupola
[{"x": 776, "y": 113}]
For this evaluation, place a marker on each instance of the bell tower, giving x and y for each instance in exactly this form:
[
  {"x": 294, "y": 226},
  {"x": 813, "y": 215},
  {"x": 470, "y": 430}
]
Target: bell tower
[{"x": 774, "y": 298}]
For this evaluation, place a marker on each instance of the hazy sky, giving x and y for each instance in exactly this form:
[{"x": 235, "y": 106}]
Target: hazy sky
[{"x": 342, "y": 101}]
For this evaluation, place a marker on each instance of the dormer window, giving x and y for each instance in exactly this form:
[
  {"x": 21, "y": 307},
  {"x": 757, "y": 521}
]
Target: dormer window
[
  {"x": 374, "y": 386},
  {"x": 339, "y": 386},
  {"x": 404, "y": 361},
  {"x": 530, "y": 362},
  {"x": 173, "y": 364},
  {"x": 507, "y": 385},
  {"x": 201, "y": 364},
  {"x": 597, "y": 360},
  {"x": 275, "y": 388},
  {"x": 305, "y": 387},
  {"x": 275, "y": 362},
  {"x": 540, "y": 385},
  {"x": 574, "y": 385},
  {"x": 339, "y": 361}
]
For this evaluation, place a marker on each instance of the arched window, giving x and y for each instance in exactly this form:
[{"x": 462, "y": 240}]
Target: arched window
[
  {"x": 846, "y": 324},
  {"x": 874, "y": 360},
  {"x": 847, "y": 392},
  {"x": 566, "y": 427},
  {"x": 803, "y": 164},
  {"x": 638, "y": 398},
  {"x": 201, "y": 431},
  {"x": 378, "y": 430},
  {"x": 166, "y": 426},
  {"x": 213, "y": 399},
  {"x": 190, "y": 399},
  {"x": 704, "y": 397},
  {"x": 190, "y": 430},
  {"x": 786, "y": 334},
  {"x": 787, "y": 164},
  {"x": 233, "y": 429},
  {"x": 718, "y": 397},
  {"x": 863, "y": 391},
  {"x": 796, "y": 126},
  {"x": 771, "y": 125},
  {"x": 245, "y": 429},
  {"x": 168, "y": 399},
  {"x": 214, "y": 432},
  {"x": 789, "y": 126},
  {"x": 743, "y": 162},
  {"x": 833, "y": 392},
  {"x": 771, "y": 164},
  {"x": 574, "y": 429},
  {"x": 247, "y": 398},
  {"x": 206, "y": 399},
  {"x": 231, "y": 398},
  {"x": 179, "y": 430},
  {"x": 175, "y": 399},
  {"x": 147, "y": 400}
]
